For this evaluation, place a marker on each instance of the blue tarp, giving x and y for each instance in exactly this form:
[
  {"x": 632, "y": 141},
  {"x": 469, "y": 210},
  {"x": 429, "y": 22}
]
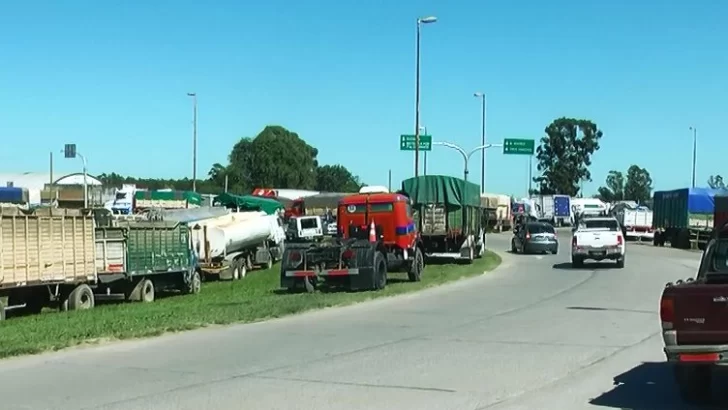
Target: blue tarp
[{"x": 701, "y": 200}]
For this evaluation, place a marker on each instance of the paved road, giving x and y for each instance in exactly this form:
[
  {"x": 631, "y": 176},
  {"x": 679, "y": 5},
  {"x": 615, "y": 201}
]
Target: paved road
[{"x": 534, "y": 334}]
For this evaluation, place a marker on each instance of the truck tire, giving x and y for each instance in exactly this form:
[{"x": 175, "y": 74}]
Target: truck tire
[
  {"x": 620, "y": 262},
  {"x": 81, "y": 298},
  {"x": 418, "y": 265},
  {"x": 269, "y": 265},
  {"x": 239, "y": 270},
  {"x": 513, "y": 246},
  {"x": 194, "y": 285},
  {"x": 694, "y": 383},
  {"x": 143, "y": 292},
  {"x": 379, "y": 271}
]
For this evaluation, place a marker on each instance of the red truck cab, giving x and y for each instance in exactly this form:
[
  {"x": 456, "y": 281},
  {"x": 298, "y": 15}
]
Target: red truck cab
[{"x": 694, "y": 319}]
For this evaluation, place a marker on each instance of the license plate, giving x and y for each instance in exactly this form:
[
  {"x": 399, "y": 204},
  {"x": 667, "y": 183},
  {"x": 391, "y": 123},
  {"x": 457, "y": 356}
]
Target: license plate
[{"x": 598, "y": 253}]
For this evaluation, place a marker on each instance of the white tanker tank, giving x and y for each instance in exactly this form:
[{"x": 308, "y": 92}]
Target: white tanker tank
[{"x": 243, "y": 230}]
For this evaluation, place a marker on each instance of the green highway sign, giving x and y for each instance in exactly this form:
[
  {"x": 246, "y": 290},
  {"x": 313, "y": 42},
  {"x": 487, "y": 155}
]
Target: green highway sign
[
  {"x": 407, "y": 142},
  {"x": 518, "y": 146}
]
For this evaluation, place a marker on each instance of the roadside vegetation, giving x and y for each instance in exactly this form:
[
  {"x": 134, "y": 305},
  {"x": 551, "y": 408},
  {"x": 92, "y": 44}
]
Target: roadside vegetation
[{"x": 253, "y": 299}]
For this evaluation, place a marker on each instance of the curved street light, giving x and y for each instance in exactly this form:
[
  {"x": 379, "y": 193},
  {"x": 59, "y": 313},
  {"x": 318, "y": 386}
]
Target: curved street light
[
  {"x": 466, "y": 155},
  {"x": 420, "y": 22}
]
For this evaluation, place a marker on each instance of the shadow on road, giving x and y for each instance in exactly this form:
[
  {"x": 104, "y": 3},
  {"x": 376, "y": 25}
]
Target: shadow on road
[
  {"x": 587, "y": 266},
  {"x": 649, "y": 386}
]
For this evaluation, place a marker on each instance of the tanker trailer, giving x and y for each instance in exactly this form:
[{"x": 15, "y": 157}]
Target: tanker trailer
[{"x": 231, "y": 245}]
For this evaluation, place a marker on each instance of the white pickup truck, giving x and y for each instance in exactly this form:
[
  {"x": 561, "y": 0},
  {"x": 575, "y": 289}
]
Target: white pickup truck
[{"x": 597, "y": 238}]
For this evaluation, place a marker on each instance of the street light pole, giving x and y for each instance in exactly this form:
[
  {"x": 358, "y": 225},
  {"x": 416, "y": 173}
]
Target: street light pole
[
  {"x": 420, "y": 22},
  {"x": 481, "y": 95},
  {"x": 424, "y": 171},
  {"x": 194, "y": 140},
  {"x": 695, "y": 149},
  {"x": 466, "y": 155}
]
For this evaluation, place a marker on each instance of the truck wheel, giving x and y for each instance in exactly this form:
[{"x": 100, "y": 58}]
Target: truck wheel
[
  {"x": 81, "y": 298},
  {"x": 195, "y": 284},
  {"x": 146, "y": 291},
  {"x": 513, "y": 246},
  {"x": 239, "y": 269},
  {"x": 269, "y": 265},
  {"x": 694, "y": 383},
  {"x": 380, "y": 271},
  {"x": 620, "y": 262},
  {"x": 418, "y": 265}
]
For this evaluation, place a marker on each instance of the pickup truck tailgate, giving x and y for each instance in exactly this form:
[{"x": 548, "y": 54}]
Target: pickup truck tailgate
[
  {"x": 597, "y": 239},
  {"x": 701, "y": 314}
]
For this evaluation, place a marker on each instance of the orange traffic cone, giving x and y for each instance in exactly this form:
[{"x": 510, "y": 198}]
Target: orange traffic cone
[{"x": 372, "y": 232}]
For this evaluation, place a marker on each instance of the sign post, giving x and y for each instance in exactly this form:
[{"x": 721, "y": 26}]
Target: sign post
[
  {"x": 407, "y": 142},
  {"x": 521, "y": 146}
]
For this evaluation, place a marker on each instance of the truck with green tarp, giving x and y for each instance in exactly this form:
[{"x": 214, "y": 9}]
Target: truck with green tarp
[
  {"x": 448, "y": 216},
  {"x": 136, "y": 259},
  {"x": 248, "y": 203},
  {"x": 684, "y": 217},
  {"x": 166, "y": 199}
]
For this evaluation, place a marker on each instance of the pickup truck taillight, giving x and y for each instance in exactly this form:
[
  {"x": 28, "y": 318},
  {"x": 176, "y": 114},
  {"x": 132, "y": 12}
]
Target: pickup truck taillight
[
  {"x": 620, "y": 240},
  {"x": 528, "y": 235},
  {"x": 573, "y": 241},
  {"x": 667, "y": 312}
]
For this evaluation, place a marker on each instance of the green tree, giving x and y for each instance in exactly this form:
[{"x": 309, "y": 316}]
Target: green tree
[
  {"x": 336, "y": 178},
  {"x": 564, "y": 155},
  {"x": 276, "y": 158},
  {"x": 638, "y": 186},
  {"x": 716, "y": 182},
  {"x": 614, "y": 189}
]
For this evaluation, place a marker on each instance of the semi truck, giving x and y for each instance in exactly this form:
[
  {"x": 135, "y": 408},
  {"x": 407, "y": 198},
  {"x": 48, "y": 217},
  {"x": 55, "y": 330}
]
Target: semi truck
[
  {"x": 496, "y": 212},
  {"x": 166, "y": 199},
  {"x": 317, "y": 204},
  {"x": 136, "y": 259},
  {"x": 636, "y": 221},
  {"x": 554, "y": 209},
  {"x": 684, "y": 217},
  {"x": 46, "y": 259},
  {"x": 377, "y": 237},
  {"x": 447, "y": 216},
  {"x": 251, "y": 234}
]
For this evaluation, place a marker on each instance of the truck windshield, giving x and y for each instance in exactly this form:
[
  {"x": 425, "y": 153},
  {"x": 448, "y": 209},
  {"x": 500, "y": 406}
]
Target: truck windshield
[
  {"x": 309, "y": 223},
  {"x": 606, "y": 224},
  {"x": 719, "y": 257}
]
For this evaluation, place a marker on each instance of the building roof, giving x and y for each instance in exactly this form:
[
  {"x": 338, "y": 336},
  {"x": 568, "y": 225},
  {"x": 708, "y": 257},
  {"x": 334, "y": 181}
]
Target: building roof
[{"x": 37, "y": 180}]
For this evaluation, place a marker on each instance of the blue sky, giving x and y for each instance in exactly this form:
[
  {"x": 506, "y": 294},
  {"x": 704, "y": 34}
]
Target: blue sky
[{"x": 112, "y": 77}]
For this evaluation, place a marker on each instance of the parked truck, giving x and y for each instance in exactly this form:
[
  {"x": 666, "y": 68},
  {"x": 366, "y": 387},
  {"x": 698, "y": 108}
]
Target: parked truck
[
  {"x": 137, "y": 259},
  {"x": 166, "y": 199},
  {"x": 447, "y": 216},
  {"x": 317, "y": 204},
  {"x": 496, "y": 212},
  {"x": 377, "y": 236},
  {"x": 46, "y": 259},
  {"x": 636, "y": 222},
  {"x": 232, "y": 244},
  {"x": 683, "y": 217},
  {"x": 13, "y": 195}
]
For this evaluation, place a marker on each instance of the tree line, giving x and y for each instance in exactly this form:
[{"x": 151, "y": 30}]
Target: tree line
[
  {"x": 563, "y": 158},
  {"x": 275, "y": 158}
]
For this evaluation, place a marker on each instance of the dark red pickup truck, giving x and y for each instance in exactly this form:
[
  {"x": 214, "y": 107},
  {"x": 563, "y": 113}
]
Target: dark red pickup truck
[{"x": 694, "y": 316}]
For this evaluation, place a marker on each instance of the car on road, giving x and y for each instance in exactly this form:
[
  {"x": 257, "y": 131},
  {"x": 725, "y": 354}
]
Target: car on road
[
  {"x": 694, "y": 322},
  {"x": 597, "y": 238},
  {"x": 535, "y": 237}
]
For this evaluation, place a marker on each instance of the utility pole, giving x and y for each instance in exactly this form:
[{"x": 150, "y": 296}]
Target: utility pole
[
  {"x": 481, "y": 95},
  {"x": 390, "y": 180},
  {"x": 420, "y": 22},
  {"x": 695, "y": 150},
  {"x": 194, "y": 140}
]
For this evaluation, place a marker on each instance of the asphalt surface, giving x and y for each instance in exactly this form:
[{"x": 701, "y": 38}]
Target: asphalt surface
[{"x": 534, "y": 334}]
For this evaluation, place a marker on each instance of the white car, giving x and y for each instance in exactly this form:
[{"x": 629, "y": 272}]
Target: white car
[{"x": 597, "y": 238}]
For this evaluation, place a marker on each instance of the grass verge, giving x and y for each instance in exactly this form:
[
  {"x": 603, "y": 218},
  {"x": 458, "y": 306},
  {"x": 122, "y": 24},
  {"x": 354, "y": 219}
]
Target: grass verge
[{"x": 253, "y": 299}]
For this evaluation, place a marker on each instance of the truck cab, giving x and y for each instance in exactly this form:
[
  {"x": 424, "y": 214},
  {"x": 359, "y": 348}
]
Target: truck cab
[
  {"x": 694, "y": 321},
  {"x": 376, "y": 236}
]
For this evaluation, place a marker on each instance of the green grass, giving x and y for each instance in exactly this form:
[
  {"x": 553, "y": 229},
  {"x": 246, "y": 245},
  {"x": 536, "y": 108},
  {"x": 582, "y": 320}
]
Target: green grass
[{"x": 253, "y": 299}]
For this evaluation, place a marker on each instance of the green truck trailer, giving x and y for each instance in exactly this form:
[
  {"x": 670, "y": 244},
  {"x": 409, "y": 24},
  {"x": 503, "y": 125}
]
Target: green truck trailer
[
  {"x": 448, "y": 216},
  {"x": 136, "y": 259},
  {"x": 684, "y": 217}
]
